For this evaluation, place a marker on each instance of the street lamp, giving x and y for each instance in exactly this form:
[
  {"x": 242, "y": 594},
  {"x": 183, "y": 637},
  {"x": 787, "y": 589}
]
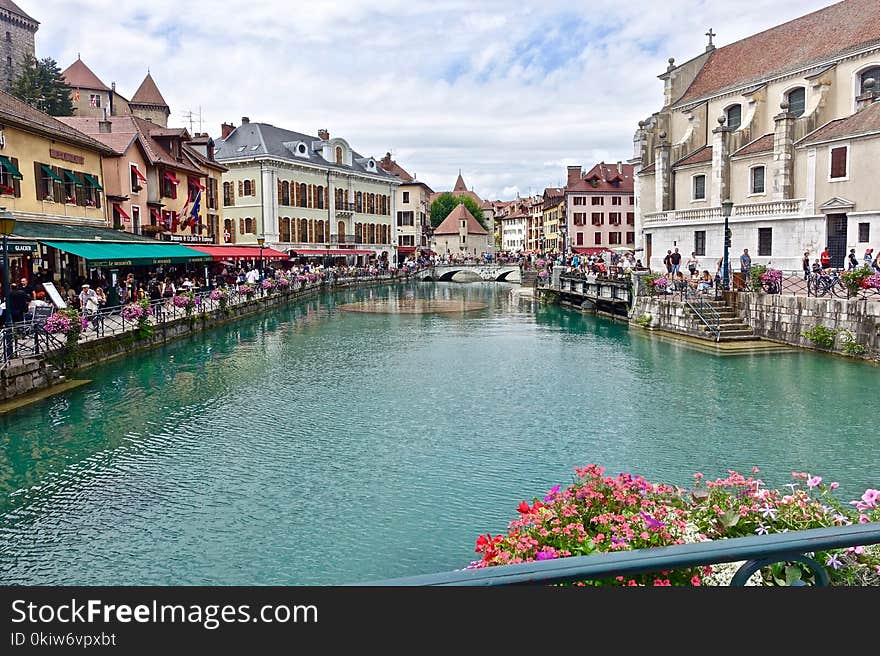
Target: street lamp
[
  {"x": 261, "y": 241},
  {"x": 7, "y": 227},
  {"x": 726, "y": 209}
]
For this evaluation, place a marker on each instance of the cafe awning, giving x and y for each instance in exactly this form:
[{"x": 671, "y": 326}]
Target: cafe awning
[
  {"x": 580, "y": 250},
  {"x": 132, "y": 254},
  {"x": 406, "y": 249},
  {"x": 230, "y": 253},
  {"x": 51, "y": 173}
]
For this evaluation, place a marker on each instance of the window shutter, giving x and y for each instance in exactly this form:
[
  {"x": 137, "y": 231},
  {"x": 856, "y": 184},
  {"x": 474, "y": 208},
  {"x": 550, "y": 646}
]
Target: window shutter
[
  {"x": 240, "y": 189},
  {"x": 38, "y": 181},
  {"x": 279, "y": 192},
  {"x": 253, "y": 187},
  {"x": 16, "y": 183},
  {"x": 57, "y": 186},
  {"x": 80, "y": 195},
  {"x": 326, "y": 196},
  {"x": 838, "y": 162}
]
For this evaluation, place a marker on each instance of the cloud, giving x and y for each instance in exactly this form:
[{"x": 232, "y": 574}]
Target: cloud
[{"x": 503, "y": 91}]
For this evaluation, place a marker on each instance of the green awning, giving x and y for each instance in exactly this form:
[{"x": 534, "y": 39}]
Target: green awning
[
  {"x": 51, "y": 173},
  {"x": 93, "y": 181},
  {"x": 109, "y": 254},
  {"x": 75, "y": 180},
  {"x": 10, "y": 167}
]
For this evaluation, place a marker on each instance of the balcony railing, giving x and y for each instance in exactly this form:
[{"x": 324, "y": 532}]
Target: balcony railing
[
  {"x": 345, "y": 208},
  {"x": 792, "y": 207}
]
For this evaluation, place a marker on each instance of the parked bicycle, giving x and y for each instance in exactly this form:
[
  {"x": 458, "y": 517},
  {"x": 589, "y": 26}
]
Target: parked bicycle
[{"x": 821, "y": 284}]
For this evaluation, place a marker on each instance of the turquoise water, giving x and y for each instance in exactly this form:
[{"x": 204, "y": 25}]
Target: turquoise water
[{"x": 317, "y": 446}]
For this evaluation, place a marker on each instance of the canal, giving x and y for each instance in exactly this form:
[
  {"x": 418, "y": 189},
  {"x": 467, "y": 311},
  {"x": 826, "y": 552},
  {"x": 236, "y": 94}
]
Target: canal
[{"x": 316, "y": 445}]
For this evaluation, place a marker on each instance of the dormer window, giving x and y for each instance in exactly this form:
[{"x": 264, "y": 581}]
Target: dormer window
[
  {"x": 873, "y": 73},
  {"x": 301, "y": 149},
  {"x": 371, "y": 165},
  {"x": 734, "y": 116},
  {"x": 797, "y": 101},
  {"x": 339, "y": 155}
]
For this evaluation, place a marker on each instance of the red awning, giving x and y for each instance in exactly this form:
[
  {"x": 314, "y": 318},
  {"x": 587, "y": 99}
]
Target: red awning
[
  {"x": 406, "y": 249},
  {"x": 222, "y": 253},
  {"x": 139, "y": 175},
  {"x": 318, "y": 252},
  {"x": 580, "y": 250},
  {"x": 171, "y": 178},
  {"x": 195, "y": 183},
  {"x": 121, "y": 211}
]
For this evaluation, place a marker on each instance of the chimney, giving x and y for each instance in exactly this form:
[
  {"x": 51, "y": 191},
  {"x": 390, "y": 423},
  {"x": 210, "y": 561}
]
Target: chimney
[
  {"x": 226, "y": 129},
  {"x": 104, "y": 125},
  {"x": 870, "y": 93},
  {"x": 574, "y": 174},
  {"x": 245, "y": 120},
  {"x": 323, "y": 134},
  {"x": 620, "y": 167}
]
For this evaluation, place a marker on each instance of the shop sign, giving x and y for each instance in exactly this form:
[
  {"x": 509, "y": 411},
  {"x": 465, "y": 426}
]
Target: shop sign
[
  {"x": 67, "y": 157},
  {"x": 21, "y": 247},
  {"x": 188, "y": 239}
]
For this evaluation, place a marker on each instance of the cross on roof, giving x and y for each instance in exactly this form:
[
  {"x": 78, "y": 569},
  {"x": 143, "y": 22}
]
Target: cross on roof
[{"x": 710, "y": 34}]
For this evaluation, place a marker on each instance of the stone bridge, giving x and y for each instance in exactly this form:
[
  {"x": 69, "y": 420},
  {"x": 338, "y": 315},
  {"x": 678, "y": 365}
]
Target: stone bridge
[{"x": 471, "y": 273}]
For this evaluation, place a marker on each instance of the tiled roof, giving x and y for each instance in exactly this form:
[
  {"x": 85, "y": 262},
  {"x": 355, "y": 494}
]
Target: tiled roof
[
  {"x": 13, "y": 110},
  {"x": 821, "y": 35},
  {"x": 862, "y": 122},
  {"x": 78, "y": 75},
  {"x": 148, "y": 94},
  {"x": 469, "y": 194},
  {"x": 759, "y": 145},
  {"x": 607, "y": 178},
  {"x": 198, "y": 159},
  {"x": 394, "y": 168},
  {"x": 460, "y": 186},
  {"x": 699, "y": 156},
  {"x": 119, "y": 139},
  {"x": 554, "y": 192},
  {"x": 15, "y": 9},
  {"x": 450, "y": 223}
]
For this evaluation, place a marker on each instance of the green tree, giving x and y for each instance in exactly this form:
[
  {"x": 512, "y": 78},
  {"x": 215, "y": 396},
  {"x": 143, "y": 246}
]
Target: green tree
[
  {"x": 41, "y": 85},
  {"x": 446, "y": 202}
]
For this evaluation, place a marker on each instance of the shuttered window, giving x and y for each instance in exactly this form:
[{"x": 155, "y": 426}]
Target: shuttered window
[
  {"x": 838, "y": 162},
  {"x": 765, "y": 241}
]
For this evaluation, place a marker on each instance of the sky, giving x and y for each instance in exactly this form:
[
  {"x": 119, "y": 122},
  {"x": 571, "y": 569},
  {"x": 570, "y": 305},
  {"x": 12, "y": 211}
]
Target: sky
[{"x": 508, "y": 93}]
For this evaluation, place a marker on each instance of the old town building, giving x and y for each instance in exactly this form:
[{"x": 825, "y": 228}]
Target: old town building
[
  {"x": 460, "y": 234},
  {"x": 413, "y": 209},
  {"x": 600, "y": 208},
  {"x": 785, "y": 125},
  {"x": 461, "y": 189},
  {"x": 18, "y": 30},
  {"x": 553, "y": 210},
  {"x": 313, "y": 195},
  {"x": 159, "y": 181}
]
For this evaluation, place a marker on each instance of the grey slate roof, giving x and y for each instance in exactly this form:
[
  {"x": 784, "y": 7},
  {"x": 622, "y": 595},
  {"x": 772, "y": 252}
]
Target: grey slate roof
[{"x": 262, "y": 139}]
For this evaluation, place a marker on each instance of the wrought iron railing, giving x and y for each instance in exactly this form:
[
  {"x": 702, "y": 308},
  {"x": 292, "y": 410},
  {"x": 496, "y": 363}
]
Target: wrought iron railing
[
  {"x": 706, "y": 313},
  {"x": 757, "y": 551}
]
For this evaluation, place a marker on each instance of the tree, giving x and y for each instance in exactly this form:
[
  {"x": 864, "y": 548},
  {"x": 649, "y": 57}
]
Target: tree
[
  {"x": 446, "y": 202},
  {"x": 41, "y": 85}
]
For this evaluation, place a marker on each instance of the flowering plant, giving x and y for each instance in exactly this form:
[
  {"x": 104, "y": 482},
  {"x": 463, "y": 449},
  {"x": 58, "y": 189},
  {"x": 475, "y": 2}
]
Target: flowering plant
[
  {"x": 772, "y": 276},
  {"x": 268, "y": 285},
  {"x": 301, "y": 279},
  {"x": 598, "y": 514},
  {"x": 59, "y": 322},
  {"x": 246, "y": 290},
  {"x": 872, "y": 282},
  {"x": 855, "y": 279},
  {"x": 133, "y": 312},
  {"x": 540, "y": 263},
  {"x": 543, "y": 274},
  {"x": 218, "y": 294},
  {"x": 139, "y": 311},
  {"x": 283, "y": 282},
  {"x": 312, "y": 277},
  {"x": 187, "y": 301}
]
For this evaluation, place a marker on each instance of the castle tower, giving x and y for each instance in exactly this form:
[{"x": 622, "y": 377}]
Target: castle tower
[
  {"x": 148, "y": 103},
  {"x": 17, "y": 31}
]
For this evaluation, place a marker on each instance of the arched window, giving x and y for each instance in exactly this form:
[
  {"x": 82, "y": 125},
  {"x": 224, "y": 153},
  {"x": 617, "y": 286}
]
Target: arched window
[
  {"x": 734, "y": 116},
  {"x": 241, "y": 226},
  {"x": 358, "y": 202},
  {"x": 338, "y": 199},
  {"x": 339, "y": 154},
  {"x": 372, "y": 233},
  {"x": 340, "y": 232},
  {"x": 797, "y": 101},
  {"x": 320, "y": 198},
  {"x": 285, "y": 193},
  {"x": 870, "y": 73},
  {"x": 248, "y": 190},
  {"x": 303, "y": 195}
]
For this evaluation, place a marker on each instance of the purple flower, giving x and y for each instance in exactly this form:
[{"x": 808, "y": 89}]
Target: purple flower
[
  {"x": 650, "y": 522},
  {"x": 552, "y": 493},
  {"x": 833, "y": 561},
  {"x": 813, "y": 481},
  {"x": 548, "y": 553}
]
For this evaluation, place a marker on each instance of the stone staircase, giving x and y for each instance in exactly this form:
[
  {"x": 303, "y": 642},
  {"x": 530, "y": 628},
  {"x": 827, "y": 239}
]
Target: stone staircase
[{"x": 732, "y": 327}]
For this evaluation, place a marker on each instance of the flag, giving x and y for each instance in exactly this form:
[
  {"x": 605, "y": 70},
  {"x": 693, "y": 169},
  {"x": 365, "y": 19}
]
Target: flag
[
  {"x": 76, "y": 96},
  {"x": 185, "y": 213},
  {"x": 174, "y": 221},
  {"x": 196, "y": 208},
  {"x": 93, "y": 100}
]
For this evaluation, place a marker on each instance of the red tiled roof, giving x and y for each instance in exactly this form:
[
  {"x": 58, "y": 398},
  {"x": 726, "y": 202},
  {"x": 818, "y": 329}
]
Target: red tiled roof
[
  {"x": 78, "y": 75},
  {"x": 460, "y": 186},
  {"x": 864, "y": 121},
  {"x": 450, "y": 223},
  {"x": 810, "y": 39},
  {"x": 699, "y": 156},
  {"x": 15, "y": 9},
  {"x": 394, "y": 168},
  {"x": 759, "y": 145},
  {"x": 13, "y": 110},
  {"x": 148, "y": 94},
  {"x": 605, "y": 176}
]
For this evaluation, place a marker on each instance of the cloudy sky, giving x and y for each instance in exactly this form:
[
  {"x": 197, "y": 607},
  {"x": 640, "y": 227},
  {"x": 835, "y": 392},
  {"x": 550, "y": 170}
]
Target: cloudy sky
[{"x": 510, "y": 93}]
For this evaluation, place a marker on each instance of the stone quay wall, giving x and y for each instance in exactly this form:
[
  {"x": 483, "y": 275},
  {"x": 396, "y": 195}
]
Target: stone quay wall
[
  {"x": 785, "y": 318},
  {"x": 666, "y": 314}
]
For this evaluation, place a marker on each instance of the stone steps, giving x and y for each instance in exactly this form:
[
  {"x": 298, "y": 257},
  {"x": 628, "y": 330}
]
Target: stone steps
[{"x": 730, "y": 324}]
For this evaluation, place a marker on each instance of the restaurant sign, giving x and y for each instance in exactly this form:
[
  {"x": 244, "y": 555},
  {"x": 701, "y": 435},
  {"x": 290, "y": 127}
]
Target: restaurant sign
[
  {"x": 21, "y": 247},
  {"x": 188, "y": 239},
  {"x": 67, "y": 157}
]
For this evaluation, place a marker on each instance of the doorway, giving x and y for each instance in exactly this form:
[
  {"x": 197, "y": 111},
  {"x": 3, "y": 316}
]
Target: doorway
[{"x": 836, "y": 240}]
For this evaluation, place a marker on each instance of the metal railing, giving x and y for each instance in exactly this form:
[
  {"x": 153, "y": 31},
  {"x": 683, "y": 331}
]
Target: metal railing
[
  {"x": 31, "y": 340},
  {"x": 757, "y": 551},
  {"x": 706, "y": 313}
]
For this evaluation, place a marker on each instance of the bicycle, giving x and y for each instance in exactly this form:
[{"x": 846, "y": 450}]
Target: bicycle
[{"x": 820, "y": 284}]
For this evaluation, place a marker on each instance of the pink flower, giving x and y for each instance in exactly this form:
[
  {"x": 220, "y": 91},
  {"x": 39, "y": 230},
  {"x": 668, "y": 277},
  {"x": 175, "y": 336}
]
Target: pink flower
[
  {"x": 834, "y": 485},
  {"x": 813, "y": 481}
]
